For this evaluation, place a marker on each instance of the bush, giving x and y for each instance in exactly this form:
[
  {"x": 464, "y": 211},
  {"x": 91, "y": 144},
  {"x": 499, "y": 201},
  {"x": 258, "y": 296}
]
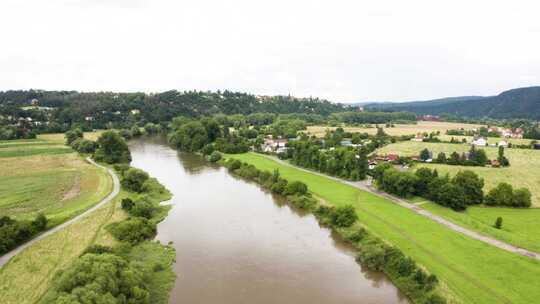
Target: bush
[
  {"x": 296, "y": 187},
  {"x": 133, "y": 230},
  {"x": 143, "y": 208},
  {"x": 502, "y": 195},
  {"x": 97, "y": 249},
  {"x": 372, "y": 256},
  {"x": 85, "y": 146},
  {"x": 127, "y": 204},
  {"x": 357, "y": 236},
  {"x": 279, "y": 186},
  {"x": 73, "y": 135},
  {"x": 100, "y": 278},
  {"x": 134, "y": 179},
  {"x": 343, "y": 216},
  {"x": 498, "y": 223},
  {"x": 303, "y": 202},
  {"x": 521, "y": 198}
]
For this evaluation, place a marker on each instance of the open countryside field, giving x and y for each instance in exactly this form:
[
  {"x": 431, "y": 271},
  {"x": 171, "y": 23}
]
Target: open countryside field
[
  {"x": 471, "y": 271},
  {"x": 59, "y": 137},
  {"x": 27, "y": 276},
  {"x": 398, "y": 129},
  {"x": 523, "y": 171},
  {"x": 521, "y": 227},
  {"x": 60, "y": 186}
]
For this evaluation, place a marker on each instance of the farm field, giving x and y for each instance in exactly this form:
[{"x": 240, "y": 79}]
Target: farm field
[
  {"x": 35, "y": 179},
  {"x": 523, "y": 171},
  {"x": 399, "y": 129},
  {"x": 464, "y": 265}
]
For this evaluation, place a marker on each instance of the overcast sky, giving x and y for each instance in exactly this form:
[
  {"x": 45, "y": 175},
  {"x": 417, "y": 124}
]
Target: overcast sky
[{"x": 339, "y": 50}]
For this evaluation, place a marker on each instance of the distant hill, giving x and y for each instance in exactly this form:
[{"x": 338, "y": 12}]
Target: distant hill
[{"x": 515, "y": 103}]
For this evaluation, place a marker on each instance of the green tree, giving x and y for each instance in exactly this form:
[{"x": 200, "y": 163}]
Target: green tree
[
  {"x": 502, "y": 195},
  {"x": 521, "y": 198},
  {"x": 134, "y": 179},
  {"x": 112, "y": 148},
  {"x": 472, "y": 185},
  {"x": 73, "y": 135},
  {"x": 452, "y": 196},
  {"x": 425, "y": 154},
  {"x": 441, "y": 158}
]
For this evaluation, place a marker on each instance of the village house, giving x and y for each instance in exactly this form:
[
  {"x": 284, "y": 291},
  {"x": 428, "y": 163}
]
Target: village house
[
  {"x": 272, "y": 145},
  {"x": 135, "y": 111},
  {"x": 419, "y": 137},
  {"x": 503, "y": 143},
  {"x": 480, "y": 142}
]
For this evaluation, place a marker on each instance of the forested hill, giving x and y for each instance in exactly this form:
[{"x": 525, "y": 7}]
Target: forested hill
[
  {"x": 76, "y": 106},
  {"x": 516, "y": 103}
]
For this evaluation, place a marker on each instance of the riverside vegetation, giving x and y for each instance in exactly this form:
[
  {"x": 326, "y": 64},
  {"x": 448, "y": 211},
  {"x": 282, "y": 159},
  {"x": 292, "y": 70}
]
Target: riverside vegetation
[{"x": 373, "y": 252}]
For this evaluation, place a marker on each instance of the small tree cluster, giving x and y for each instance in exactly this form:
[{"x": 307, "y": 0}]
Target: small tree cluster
[{"x": 505, "y": 195}]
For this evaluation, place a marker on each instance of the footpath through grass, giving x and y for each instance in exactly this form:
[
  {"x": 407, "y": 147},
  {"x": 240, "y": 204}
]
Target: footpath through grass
[{"x": 471, "y": 271}]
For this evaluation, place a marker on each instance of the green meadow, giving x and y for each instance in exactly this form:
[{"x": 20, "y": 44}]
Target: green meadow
[{"x": 471, "y": 271}]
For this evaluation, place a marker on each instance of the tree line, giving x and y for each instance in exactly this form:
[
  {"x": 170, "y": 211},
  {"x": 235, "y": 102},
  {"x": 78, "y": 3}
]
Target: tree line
[{"x": 463, "y": 190}]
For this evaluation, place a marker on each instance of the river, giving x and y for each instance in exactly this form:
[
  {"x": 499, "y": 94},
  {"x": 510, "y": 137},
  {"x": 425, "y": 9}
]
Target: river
[{"x": 235, "y": 243}]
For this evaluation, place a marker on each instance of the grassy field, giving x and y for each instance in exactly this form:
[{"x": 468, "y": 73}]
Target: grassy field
[
  {"x": 27, "y": 277},
  {"x": 399, "y": 129},
  {"x": 60, "y": 186},
  {"x": 523, "y": 172},
  {"x": 59, "y": 137},
  {"x": 471, "y": 271},
  {"x": 521, "y": 227}
]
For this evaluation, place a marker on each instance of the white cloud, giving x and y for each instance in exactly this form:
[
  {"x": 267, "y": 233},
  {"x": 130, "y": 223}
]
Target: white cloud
[{"x": 341, "y": 50}]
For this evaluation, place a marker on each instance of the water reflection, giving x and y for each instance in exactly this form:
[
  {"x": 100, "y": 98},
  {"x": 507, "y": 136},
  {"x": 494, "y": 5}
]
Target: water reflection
[{"x": 236, "y": 243}]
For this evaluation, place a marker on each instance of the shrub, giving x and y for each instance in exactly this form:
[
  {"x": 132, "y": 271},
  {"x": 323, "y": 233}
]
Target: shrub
[
  {"x": 73, "y": 135},
  {"x": 97, "y": 249},
  {"x": 279, "y": 186},
  {"x": 134, "y": 179},
  {"x": 372, "y": 256},
  {"x": 215, "y": 157},
  {"x": 343, "y": 216},
  {"x": 85, "y": 146},
  {"x": 521, "y": 198},
  {"x": 502, "y": 195},
  {"x": 132, "y": 230},
  {"x": 303, "y": 202},
  {"x": 100, "y": 278},
  {"x": 143, "y": 208},
  {"x": 296, "y": 187},
  {"x": 435, "y": 299},
  {"x": 127, "y": 204},
  {"x": 357, "y": 236},
  {"x": 498, "y": 222}
]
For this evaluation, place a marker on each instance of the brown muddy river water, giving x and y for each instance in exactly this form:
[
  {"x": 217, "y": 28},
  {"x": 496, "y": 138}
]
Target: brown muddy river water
[{"x": 236, "y": 243}]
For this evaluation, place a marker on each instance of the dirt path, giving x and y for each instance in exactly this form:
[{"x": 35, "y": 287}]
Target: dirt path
[
  {"x": 367, "y": 186},
  {"x": 116, "y": 189}
]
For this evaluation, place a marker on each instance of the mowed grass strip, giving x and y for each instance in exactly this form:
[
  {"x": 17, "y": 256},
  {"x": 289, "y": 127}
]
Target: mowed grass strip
[{"x": 471, "y": 271}]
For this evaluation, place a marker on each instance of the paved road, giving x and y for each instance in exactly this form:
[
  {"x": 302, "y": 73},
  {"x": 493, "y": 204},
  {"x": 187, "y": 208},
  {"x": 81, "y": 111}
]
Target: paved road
[
  {"x": 367, "y": 186},
  {"x": 116, "y": 189}
]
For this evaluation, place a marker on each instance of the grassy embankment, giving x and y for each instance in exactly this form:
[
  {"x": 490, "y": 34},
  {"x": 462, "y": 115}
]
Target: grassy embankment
[
  {"x": 45, "y": 176},
  {"x": 521, "y": 227},
  {"x": 471, "y": 271}
]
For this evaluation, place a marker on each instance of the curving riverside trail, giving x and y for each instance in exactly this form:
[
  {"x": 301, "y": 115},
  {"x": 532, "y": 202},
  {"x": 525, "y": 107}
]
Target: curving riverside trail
[
  {"x": 116, "y": 189},
  {"x": 367, "y": 186}
]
